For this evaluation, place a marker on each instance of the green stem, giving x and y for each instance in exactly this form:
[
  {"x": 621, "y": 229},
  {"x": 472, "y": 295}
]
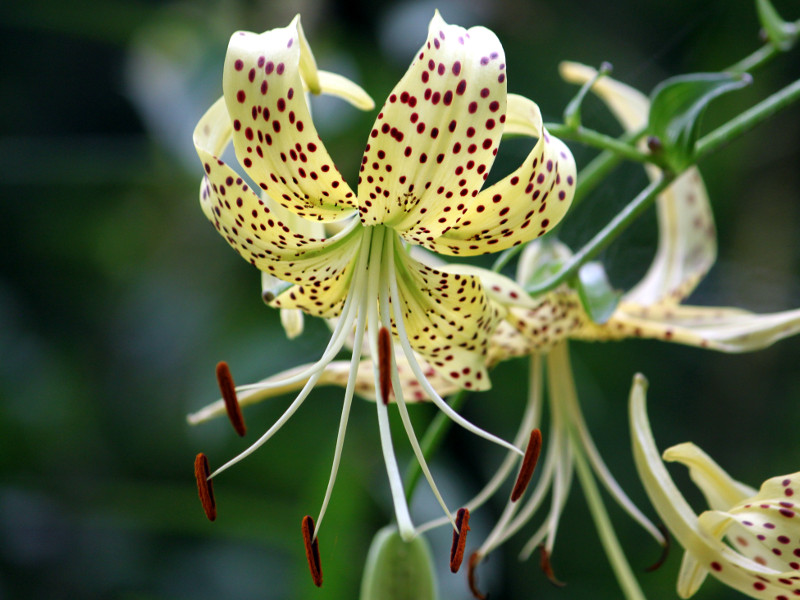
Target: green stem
[
  {"x": 757, "y": 59},
  {"x": 747, "y": 120},
  {"x": 622, "y": 146},
  {"x": 605, "y": 236},
  {"x": 705, "y": 146},
  {"x": 431, "y": 441},
  {"x": 760, "y": 57},
  {"x": 622, "y": 569}
]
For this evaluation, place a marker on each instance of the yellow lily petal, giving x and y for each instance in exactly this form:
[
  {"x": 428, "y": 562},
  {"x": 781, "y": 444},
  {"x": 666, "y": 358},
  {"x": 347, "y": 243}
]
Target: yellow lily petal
[
  {"x": 436, "y": 136},
  {"x": 273, "y": 134},
  {"x": 334, "y": 84},
  {"x": 723, "y": 329},
  {"x": 687, "y": 243},
  {"x": 700, "y": 536},
  {"x": 721, "y": 491},
  {"x": 524, "y": 205},
  {"x": 448, "y": 319}
]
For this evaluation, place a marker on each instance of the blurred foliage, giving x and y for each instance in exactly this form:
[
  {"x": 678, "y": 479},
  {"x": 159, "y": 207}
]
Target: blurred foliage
[{"x": 117, "y": 299}]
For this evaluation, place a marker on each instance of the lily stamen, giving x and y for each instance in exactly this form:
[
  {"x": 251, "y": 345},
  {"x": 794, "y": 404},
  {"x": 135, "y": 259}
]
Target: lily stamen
[
  {"x": 385, "y": 363},
  {"x": 664, "y": 550},
  {"x": 547, "y": 567},
  {"x": 204, "y": 487},
  {"x": 459, "y": 539},
  {"x": 312, "y": 550},
  {"x": 528, "y": 465},
  {"x": 228, "y": 390},
  {"x": 472, "y": 576}
]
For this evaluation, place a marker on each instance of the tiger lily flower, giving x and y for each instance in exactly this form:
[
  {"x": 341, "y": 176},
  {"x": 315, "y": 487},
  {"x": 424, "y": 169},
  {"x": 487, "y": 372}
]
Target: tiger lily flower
[
  {"x": 762, "y": 529},
  {"x": 426, "y": 160}
]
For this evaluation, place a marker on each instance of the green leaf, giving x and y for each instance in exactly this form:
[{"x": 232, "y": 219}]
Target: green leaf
[
  {"x": 398, "y": 570},
  {"x": 598, "y": 298},
  {"x": 781, "y": 34},
  {"x": 677, "y": 107}
]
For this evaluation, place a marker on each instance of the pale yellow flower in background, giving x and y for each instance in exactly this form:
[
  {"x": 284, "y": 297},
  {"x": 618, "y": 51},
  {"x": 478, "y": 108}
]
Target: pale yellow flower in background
[{"x": 748, "y": 540}]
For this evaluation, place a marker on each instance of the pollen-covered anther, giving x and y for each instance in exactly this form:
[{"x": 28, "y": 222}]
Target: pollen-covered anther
[
  {"x": 312, "y": 550},
  {"x": 547, "y": 567},
  {"x": 528, "y": 465},
  {"x": 664, "y": 550},
  {"x": 472, "y": 575},
  {"x": 228, "y": 389},
  {"x": 204, "y": 487},
  {"x": 459, "y": 539},
  {"x": 385, "y": 363}
]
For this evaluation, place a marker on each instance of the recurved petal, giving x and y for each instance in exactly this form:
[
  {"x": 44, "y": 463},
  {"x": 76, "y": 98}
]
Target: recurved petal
[
  {"x": 248, "y": 223},
  {"x": 720, "y": 489},
  {"x": 524, "y": 205},
  {"x": 275, "y": 139},
  {"x": 334, "y": 84},
  {"x": 448, "y": 319},
  {"x": 436, "y": 136},
  {"x": 687, "y": 243},
  {"x": 723, "y": 329}
]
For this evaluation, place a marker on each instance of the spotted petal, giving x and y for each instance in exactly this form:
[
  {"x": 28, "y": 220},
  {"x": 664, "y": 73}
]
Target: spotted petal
[
  {"x": 699, "y": 536},
  {"x": 448, "y": 319},
  {"x": 263, "y": 82},
  {"x": 436, "y": 136},
  {"x": 524, "y": 205},
  {"x": 724, "y": 329},
  {"x": 687, "y": 244}
]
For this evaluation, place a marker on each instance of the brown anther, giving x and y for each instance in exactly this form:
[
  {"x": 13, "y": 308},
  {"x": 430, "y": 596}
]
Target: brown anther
[
  {"x": 547, "y": 568},
  {"x": 664, "y": 550},
  {"x": 385, "y": 363},
  {"x": 312, "y": 550},
  {"x": 472, "y": 576},
  {"x": 228, "y": 389},
  {"x": 459, "y": 539},
  {"x": 204, "y": 488},
  {"x": 528, "y": 465}
]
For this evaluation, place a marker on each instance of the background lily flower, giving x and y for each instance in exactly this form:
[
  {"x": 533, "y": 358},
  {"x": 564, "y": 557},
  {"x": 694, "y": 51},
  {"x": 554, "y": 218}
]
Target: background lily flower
[
  {"x": 541, "y": 326},
  {"x": 425, "y": 163},
  {"x": 762, "y": 555}
]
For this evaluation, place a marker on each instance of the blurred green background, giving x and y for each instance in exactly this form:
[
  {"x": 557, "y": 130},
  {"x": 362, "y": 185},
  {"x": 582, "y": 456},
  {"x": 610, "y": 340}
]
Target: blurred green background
[{"x": 117, "y": 299}]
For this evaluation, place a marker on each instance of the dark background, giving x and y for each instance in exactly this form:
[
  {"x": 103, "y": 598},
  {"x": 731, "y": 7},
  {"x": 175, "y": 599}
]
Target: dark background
[{"x": 117, "y": 299}]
